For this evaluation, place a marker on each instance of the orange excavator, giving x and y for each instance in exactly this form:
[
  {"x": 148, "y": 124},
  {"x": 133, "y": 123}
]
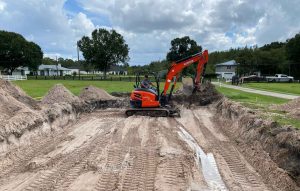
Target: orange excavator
[{"x": 150, "y": 102}]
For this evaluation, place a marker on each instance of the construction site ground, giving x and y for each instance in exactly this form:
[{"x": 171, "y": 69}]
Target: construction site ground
[{"x": 105, "y": 150}]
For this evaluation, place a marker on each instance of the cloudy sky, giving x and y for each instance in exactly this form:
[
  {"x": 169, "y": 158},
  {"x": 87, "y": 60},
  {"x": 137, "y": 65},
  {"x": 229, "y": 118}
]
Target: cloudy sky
[{"x": 149, "y": 25}]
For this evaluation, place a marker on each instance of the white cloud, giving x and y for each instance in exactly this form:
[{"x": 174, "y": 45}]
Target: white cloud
[
  {"x": 81, "y": 25},
  {"x": 2, "y": 6},
  {"x": 149, "y": 25},
  {"x": 46, "y": 23}
]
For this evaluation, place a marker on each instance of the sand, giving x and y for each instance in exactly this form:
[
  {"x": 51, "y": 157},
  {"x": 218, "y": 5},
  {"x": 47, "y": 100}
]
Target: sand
[
  {"x": 59, "y": 94},
  {"x": 92, "y": 93}
]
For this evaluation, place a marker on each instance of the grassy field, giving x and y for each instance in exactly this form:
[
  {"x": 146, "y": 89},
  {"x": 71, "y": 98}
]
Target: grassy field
[
  {"x": 261, "y": 103},
  {"x": 289, "y": 88},
  {"x": 256, "y": 100},
  {"x": 38, "y": 88}
]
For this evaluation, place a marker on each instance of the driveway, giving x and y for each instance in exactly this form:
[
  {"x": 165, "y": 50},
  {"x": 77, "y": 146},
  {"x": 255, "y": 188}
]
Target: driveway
[{"x": 262, "y": 92}]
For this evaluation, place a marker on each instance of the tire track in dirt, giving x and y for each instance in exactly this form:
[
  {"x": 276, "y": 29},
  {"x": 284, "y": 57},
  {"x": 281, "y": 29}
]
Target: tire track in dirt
[
  {"x": 243, "y": 177},
  {"x": 177, "y": 169},
  {"x": 70, "y": 167},
  {"x": 66, "y": 167}
]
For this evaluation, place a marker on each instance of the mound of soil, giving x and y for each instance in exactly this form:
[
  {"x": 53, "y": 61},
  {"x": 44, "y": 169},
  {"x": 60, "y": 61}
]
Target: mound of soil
[
  {"x": 59, "y": 94},
  {"x": 292, "y": 108},
  {"x": 18, "y": 94},
  {"x": 206, "y": 95},
  {"x": 17, "y": 112},
  {"x": 92, "y": 93},
  {"x": 261, "y": 139}
]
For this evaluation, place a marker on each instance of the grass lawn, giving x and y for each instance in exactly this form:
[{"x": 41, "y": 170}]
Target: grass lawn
[
  {"x": 261, "y": 103},
  {"x": 38, "y": 88},
  {"x": 289, "y": 88},
  {"x": 256, "y": 100}
]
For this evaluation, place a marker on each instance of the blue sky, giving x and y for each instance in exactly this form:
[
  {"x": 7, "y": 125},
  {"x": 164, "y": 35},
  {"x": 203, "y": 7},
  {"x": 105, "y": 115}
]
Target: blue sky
[{"x": 148, "y": 26}]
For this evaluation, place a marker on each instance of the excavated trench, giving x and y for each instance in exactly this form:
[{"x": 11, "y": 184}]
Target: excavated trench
[{"x": 67, "y": 142}]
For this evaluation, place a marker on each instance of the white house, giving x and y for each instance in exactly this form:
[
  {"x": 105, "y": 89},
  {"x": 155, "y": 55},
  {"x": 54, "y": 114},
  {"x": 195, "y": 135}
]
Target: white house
[
  {"x": 117, "y": 70},
  {"x": 21, "y": 71},
  {"x": 53, "y": 70},
  {"x": 226, "y": 70}
]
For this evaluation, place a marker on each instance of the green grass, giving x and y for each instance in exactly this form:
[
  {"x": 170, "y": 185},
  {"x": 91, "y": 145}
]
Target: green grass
[
  {"x": 38, "y": 88},
  {"x": 288, "y": 88},
  {"x": 250, "y": 99},
  {"x": 284, "y": 120},
  {"x": 261, "y": 103}
]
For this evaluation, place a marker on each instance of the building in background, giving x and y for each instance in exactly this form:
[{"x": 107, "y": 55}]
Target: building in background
[
  {"x": 53, "y": 70},
  {"x": 117, "y": 70},
  {"x": 226, "y": 70}
]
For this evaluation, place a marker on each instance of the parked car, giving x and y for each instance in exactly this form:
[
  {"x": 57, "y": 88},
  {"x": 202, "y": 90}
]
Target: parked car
[
  {"x": 252, "y": 78},
  {"x": 280, "y": 78}
]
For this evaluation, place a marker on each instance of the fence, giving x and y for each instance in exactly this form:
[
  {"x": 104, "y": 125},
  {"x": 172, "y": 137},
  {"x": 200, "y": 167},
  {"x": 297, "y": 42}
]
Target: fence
[
  {"x": 13, "y": 77},
  {"x": 90, "y": 78}
]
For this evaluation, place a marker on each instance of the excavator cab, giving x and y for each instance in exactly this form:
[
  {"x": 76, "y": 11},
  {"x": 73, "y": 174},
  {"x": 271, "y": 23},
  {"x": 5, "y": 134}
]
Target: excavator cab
[{"x": 144, "y": 97}]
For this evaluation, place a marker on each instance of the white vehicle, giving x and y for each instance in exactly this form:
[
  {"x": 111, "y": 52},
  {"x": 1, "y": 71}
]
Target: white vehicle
[{"x": 280, "y": 78}]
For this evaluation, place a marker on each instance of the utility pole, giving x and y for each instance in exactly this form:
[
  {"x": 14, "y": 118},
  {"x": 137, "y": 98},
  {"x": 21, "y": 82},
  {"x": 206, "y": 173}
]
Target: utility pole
[
  {"x": 78, "y": 59},
  {"x": 56, "y": 65}
]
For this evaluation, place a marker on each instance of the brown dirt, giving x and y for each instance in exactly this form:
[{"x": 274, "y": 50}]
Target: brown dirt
[
  {"x": 18, "y": 94},
  {"x": 17, "y": 113},
  {"x": 220, "y": 147},
  {"x": 59, "y": 94},
  {"x": 92, "y": 93},
  {"x": 206, "y": 95},
  {"x": 271, "y": 149},
  {"x": 292, "y": 108}
]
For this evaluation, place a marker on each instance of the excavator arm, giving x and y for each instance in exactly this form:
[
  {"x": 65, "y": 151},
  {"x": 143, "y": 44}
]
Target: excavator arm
[{"x": 178, "y": 66}]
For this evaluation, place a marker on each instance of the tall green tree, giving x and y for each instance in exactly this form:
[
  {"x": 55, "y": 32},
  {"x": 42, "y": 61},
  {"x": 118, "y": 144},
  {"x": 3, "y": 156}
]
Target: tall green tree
[
  {"x": 16, "y": 51},
  {"x": 293, "y": 48},
  {"x": 293, "y": 55},
  {"x": 104, "y": 49},
  {"x": 181, "y": 48}
]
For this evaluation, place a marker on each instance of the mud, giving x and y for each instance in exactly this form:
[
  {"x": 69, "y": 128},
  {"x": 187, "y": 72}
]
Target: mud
[{"x": 90, "y": 145}]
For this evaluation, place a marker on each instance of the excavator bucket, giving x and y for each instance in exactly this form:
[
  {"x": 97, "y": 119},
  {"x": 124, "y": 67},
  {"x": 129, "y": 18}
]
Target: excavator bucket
[{"x": 187, "y": 86}]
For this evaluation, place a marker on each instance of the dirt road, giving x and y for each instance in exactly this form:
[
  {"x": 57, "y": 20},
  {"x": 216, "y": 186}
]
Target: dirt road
[{"x": 106, "y": 151}]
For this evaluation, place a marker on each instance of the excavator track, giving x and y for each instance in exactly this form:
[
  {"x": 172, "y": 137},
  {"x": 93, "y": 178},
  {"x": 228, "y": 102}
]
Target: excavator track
[{"x": 153, "y": 112}]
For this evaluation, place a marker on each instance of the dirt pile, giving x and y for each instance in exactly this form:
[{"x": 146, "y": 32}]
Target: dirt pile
[
  {"x": 59, "y": 94},
  {"x": 292, "y": 108},
  {"x": 266, "y": 144},
  {"x": 206, "y": 95},
  {"x": 18, "y": 94},
  {"x": 92, "y": 93},
  {"x": 18, "y": 112}
]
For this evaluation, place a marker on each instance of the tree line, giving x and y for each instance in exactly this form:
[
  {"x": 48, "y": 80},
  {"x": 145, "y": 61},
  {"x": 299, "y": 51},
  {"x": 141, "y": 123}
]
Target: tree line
[
  {"x": 107, "y": 48},
  {"x": 276, "y": 57}
]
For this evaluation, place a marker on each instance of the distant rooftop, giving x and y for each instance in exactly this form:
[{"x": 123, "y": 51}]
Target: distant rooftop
[{"x": 228, "y": 63}]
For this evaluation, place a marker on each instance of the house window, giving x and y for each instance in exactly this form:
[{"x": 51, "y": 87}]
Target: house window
[{"x": 228, "y": 67}]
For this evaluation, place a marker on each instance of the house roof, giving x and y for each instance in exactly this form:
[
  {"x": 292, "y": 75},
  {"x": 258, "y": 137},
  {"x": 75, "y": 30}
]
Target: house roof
[
  {"x": 228, "y": 63},
  {"x": 52, "y": 67}
]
